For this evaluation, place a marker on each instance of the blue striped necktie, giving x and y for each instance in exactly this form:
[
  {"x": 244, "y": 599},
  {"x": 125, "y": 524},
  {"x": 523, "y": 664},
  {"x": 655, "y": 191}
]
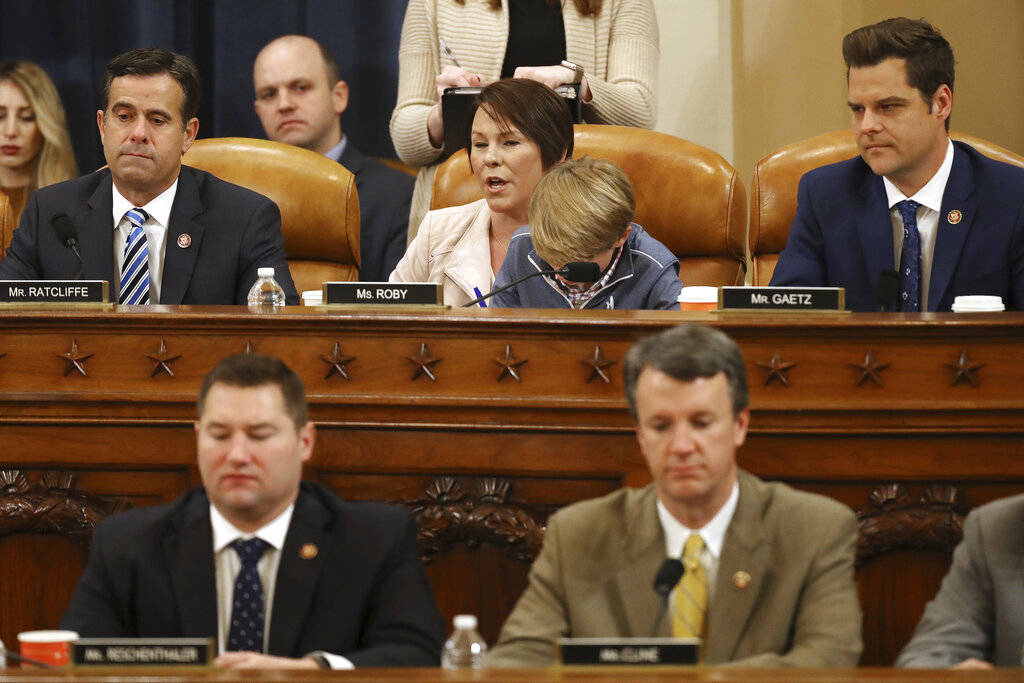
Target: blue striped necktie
[
  {"x": 135, "y": 264},
  {"x": 910, "y": 257}
]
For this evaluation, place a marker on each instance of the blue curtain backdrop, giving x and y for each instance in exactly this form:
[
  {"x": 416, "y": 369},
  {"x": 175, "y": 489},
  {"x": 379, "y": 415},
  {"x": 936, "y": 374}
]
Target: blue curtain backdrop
[{"x": 74, "y": 39}]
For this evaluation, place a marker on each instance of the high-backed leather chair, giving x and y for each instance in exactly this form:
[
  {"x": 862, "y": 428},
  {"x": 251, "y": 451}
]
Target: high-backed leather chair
[
  {"x": 6, "y": 223},
  {"x": 687, "y": 197},
  {"x": 773, "y": 190},
  {"x": 316, "y": 195}
]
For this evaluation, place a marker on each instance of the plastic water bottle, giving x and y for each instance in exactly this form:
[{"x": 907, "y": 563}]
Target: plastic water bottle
[
  {"x": 266, "y": 293},
  {"x": 466, "y": 648},
  {"x": 3, "y": 656}
]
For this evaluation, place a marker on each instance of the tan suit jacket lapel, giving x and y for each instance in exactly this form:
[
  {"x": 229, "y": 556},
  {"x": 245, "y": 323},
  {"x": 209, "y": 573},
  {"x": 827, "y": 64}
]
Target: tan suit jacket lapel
[
  {"x": 469, "y": 263},
  {"x": 743, "y": 551}
]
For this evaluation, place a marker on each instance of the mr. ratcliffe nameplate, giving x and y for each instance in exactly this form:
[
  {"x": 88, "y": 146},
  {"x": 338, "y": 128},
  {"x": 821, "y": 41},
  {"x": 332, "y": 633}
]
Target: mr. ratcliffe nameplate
[
  {"x": 383, "y": 293},
  {"x": 629, "y": 651},
  {"x": 53, "y": 291},
  {"x": 782, "y": 298},
  {"x": 142, "y": 652}
]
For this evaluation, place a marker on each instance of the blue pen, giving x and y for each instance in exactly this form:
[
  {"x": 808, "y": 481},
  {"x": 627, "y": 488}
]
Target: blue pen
[{"x": 476, "y": 290}]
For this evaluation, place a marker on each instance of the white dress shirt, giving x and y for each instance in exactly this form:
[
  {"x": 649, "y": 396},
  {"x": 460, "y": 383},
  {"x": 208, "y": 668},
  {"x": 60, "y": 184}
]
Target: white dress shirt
[
  {"x": 227, "y": 566},
  {"x": 930, "y": 199},
  {"x": 712, "y": 533},
  {"x": 159, "y": 210}
]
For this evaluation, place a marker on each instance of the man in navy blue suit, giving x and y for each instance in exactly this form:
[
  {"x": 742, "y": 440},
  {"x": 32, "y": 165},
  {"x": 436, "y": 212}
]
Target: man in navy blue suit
[
  {"x": 195, "y": 239},
  {"x": 299, "y": 96},
  {"x": 949, "y": 220}
]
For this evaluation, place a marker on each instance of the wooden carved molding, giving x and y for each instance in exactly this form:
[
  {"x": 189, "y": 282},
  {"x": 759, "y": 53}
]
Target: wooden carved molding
[
  {"x": 51, "y": 505},
  {"x": 894, "y": 520},
  {"x": 778, "y": 369},
  {"x": 448, "y": 514}
]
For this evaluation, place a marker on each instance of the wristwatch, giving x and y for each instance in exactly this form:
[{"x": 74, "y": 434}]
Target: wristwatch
[{"x": 577, "y": 70}]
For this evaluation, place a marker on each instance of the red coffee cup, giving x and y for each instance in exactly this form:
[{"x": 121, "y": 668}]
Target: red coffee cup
[{"x": 49, "y": 647}]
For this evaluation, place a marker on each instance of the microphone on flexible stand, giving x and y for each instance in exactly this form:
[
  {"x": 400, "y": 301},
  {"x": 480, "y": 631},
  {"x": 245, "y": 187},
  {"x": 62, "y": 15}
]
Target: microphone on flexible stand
[
  {"x": 21, "y": 658},
  {"x": 67, "y": 235},
  {"x": 577, "y": 271},
  {"x": 887, "y": 292},
  {"x": 664, "y": 581}
]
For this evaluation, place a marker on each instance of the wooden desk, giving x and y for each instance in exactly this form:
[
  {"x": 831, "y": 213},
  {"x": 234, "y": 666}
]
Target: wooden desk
[{"x": 484, "y": 421}]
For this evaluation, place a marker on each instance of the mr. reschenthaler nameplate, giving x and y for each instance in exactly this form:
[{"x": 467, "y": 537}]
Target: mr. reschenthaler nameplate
[
  {"x": 53, "y": 291},
  {"x": 142, "y": 652}
]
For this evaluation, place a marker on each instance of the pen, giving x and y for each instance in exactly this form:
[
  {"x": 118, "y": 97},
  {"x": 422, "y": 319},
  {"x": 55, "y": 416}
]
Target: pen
[
  {"x": 448, "y": 52},
  {"x": 476, "y": 290}
]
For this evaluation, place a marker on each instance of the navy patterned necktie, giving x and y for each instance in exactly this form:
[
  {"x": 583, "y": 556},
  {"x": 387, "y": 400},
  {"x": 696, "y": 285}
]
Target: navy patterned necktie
[
  {"x": 135, "y": 264},
  {"x": 910, "y": 258},
  {"x": 247, "y": 611}
]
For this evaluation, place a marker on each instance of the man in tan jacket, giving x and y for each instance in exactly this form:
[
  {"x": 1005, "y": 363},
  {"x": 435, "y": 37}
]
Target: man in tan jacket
[{"x": 770, "y": 572}]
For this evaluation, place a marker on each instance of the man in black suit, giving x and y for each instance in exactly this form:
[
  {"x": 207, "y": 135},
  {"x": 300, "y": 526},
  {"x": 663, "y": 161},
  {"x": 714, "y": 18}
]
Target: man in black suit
[
  {"x": 158, "y": 231},
  {"x": 299, "y": 96},
  {"x": 283, "y": 573}
]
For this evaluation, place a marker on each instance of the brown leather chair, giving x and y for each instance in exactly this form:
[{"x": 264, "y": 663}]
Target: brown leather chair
[
  {"x": 6, "y": 223},
  {"x": 316, "y": 195},
  {"x": 773, "y": 190},
  {"x": 688, "y": 197}
]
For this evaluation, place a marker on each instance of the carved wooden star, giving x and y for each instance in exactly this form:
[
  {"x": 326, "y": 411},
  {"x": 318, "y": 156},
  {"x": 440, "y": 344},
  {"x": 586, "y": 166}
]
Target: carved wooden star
[
  {"x": 2, "y": 355},
  {"x": 870, "y": 369},
  {"x": 509, "y": 365},
  {"x": 598, "y": 364},
  {"x": 777, "y": 369},
  {"x": 424, "y": 364},
  {"x": 964, "y": 370},
  {"x": 74, "y": 360},
  {"x": 162, "y": 360},
  {"x": 337, "y": 362},
  {"x": 250, "y": 348}
]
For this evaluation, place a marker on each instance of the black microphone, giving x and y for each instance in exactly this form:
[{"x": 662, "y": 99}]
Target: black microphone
[
  {"x": 888, "y": 290},
  {"x": 666, "y": 579},
  {"x": 577, "y": 271},
  {"x": 28, "y": 660},
  {"x": 67, "y": 235}
]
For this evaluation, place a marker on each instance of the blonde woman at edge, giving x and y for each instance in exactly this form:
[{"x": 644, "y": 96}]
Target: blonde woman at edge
[
  {"x": 519, "y": 130},
  {"x": 35, "y": 147},
  {"x": 609, "y": 46}
]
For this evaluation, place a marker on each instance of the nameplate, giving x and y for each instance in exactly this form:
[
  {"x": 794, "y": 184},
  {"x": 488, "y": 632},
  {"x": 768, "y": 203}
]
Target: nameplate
[
  {"x": 53, "y": 291},
  {"x": 383, "y": 293},
  {"x": 782, "y": 298},
  {"x": 142, "y": 652},
  {"x": 629, "y": 651}
]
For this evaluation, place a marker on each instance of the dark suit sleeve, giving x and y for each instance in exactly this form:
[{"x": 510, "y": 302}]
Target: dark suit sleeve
[
  {"x": 398, "y": 232},
  {"x": 21, "y": 261},
  {"x": 403, "y": 626},
  {"x": 96, "y": 608},
  {"x": 802, "y": 263},
  {"x": 1017, "y": 264},
  {"x": 263, "y": 245}
]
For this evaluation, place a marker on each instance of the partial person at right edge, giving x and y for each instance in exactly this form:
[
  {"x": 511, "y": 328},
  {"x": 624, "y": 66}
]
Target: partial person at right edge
[
  {"x": 947, "y": 218},
  {"x": 976, "y": 621},
  {"x": 299, "y": 96},
  {"x": 582, "y": 210},
  {"x": 610, "y": 46}
]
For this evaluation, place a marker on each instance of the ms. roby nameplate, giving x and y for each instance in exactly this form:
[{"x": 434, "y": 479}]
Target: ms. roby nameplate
[{"x": 383, "y": 293}]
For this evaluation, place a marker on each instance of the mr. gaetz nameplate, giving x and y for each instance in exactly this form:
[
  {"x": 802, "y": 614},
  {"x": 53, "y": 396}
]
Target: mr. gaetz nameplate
[
  {"x": 383, "y": 293},
  {"x": 782, "y": 298},
  {"x": 142, "y": 652},
  {"x": 629, "y": 651},
  {"x": 53, "y": 291}
]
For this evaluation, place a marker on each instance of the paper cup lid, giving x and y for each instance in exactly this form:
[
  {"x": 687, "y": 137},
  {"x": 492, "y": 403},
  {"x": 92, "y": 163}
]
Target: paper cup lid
[
  {"x": 700, "y": 295},
  {"x": 978, "y": 302},
  {"x": 47, "y": 636},
  {"x": 313, "y": 294}
]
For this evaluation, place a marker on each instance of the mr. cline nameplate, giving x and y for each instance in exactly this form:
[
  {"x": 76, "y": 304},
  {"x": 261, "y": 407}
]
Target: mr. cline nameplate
[
  {"x": 629, "y": 651},
  {"x": 783, "y": 298},
  {"x": 383, "y": 293},
  {"x": 53, "y": 291},
  {"x": 142, "y": 652}
]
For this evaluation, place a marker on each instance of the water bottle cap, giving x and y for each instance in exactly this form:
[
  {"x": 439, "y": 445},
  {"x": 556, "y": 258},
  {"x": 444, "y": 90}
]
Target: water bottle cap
[
  {"x": 465, "y": 622},
  {"x": 265, "y": 272}
]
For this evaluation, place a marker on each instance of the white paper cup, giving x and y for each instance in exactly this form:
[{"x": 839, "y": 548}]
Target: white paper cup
[
  {"x": 49, "y": 647},
  {"x": 698, "y": 299},
  {"x": 978, "y": 303},
  {"x": 312, "y": 297}
]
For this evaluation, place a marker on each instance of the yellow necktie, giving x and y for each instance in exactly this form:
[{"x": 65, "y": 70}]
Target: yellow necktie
[{"x": 691, "y": 600}]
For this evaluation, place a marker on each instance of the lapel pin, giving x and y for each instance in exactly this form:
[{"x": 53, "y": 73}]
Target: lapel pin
[
  {"x": 741, "y": 579},
  {"x": 184, "y": 239},
  {"x": 954, "y": 216},
  {"x": 308, "y": 551}
]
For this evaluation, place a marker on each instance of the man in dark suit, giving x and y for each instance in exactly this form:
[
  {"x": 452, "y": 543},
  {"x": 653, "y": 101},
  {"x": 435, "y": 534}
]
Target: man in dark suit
[
  {"x": 283, "y": 573},
  {"x": 299, "y": 96},
  {"x": 948, "y": 219},
  {"x": 158, "y": 231}
]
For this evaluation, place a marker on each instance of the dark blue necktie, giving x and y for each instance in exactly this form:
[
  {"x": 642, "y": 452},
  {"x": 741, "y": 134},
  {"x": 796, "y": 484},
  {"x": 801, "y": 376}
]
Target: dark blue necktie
[
  {"x": 910, "y": 258},
  {"x": 247, "y": 615}
]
